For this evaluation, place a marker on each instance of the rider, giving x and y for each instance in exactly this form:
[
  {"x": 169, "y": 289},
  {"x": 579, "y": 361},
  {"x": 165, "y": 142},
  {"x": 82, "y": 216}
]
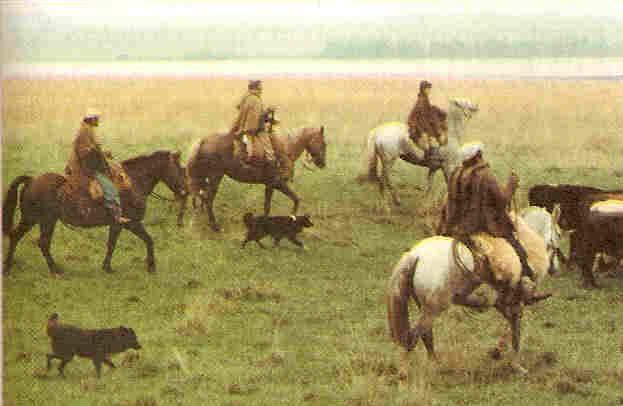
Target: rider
[
  {"x": 427, "y": 121},
  {"x": 476, "y": 203},
  {"x": 87, "y": 161},
  {"x": 247, "y": 125},
  {"x": 248, "y": 131}
]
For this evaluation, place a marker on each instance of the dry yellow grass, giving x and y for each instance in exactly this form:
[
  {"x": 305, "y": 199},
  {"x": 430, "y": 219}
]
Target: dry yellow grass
[{"x": 566, "y": 123}]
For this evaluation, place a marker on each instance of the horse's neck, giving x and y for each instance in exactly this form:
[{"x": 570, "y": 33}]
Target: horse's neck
[
  {"x": 456, "y": 126},
  {"x": 297, "y": 143},
  {"x": 144, "y": 179}
]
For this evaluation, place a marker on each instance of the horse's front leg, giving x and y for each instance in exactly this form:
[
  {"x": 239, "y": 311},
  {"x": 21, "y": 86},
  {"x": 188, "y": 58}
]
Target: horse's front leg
[
  {"x": 285, "y": 189},
  {"x": 182, "y": 210},
  {"x": 268, "y": 197},
  {"x": 138, "y": 229},
  {"x": 113, "y": 235}
]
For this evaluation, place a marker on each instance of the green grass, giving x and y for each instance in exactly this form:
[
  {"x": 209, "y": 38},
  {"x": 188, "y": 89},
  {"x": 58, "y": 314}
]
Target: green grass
[{"x": 221, "y": 325}]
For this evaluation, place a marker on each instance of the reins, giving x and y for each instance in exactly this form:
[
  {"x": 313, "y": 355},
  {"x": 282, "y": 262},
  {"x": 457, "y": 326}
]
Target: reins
[{"x": 160, "y": 197}]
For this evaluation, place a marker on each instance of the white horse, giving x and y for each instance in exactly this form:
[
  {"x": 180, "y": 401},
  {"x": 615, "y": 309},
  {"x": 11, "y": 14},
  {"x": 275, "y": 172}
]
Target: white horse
[
  {"x": 391, "y": 141},
  {"x": 439, "y": 271}
]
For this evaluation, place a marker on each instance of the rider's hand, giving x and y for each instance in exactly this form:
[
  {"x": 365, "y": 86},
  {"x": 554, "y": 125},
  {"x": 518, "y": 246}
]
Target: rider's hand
[{"x": 108, "y": 154}]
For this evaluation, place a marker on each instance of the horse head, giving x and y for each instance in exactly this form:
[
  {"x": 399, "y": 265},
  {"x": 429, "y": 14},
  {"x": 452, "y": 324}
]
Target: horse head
[
  {"x": 553, "y": 242},
  {"x": 317, "y": 146},
  {"x": 173, "y": 174},
  {"x": 464, "y": 107}
]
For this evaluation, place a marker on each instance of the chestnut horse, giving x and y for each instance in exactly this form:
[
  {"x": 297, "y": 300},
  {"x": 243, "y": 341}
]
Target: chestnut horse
[
  {"x": 213, "y": 157},
  {"x": 43, "y": 202}
]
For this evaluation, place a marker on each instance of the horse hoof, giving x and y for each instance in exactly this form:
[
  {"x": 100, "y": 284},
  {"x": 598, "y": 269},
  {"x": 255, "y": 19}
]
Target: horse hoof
[
  {"x": 216, "y": 228},
  {"x": 57, "y": 275},
  {"x": 589, "y": 285},
  {"x": 108, "y": 269},
  {"x": 151, "y": 268}
]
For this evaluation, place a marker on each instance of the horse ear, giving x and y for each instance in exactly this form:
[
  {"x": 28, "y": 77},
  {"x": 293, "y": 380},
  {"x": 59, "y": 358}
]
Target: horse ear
[
  {"x": 322, "y": 130},
  {"x": 556, "y": 213},
  {"x": 176, "y": 156}
]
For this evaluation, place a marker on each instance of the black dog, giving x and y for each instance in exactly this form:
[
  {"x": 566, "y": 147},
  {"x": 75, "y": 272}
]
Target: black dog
[
  {"x": 277, "y": 227},
  {"x": 68, "y": 341}
]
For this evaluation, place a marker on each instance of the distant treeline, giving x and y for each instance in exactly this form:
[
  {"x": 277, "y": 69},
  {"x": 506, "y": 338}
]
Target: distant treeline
[{"x": 42, "y": 38}]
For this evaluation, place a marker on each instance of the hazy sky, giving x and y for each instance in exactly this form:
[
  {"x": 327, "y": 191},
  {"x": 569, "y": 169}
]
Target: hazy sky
[{"x": 156, "y": 12}]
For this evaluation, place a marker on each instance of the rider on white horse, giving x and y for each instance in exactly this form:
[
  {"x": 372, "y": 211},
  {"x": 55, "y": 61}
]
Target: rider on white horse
[{"x": 477, "y": 204}]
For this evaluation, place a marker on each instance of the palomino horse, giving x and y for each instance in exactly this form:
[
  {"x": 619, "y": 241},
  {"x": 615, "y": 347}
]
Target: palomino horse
[
  {"x": 42, "y": 202},
  {"x": 213, "y": 157},
  {"x": 439, "y": 271},
  {"x": 391, "y": 141}
]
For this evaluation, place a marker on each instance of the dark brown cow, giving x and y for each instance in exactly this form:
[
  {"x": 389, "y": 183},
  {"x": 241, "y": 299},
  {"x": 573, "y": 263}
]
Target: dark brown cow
[{"x": 591, "y": 234}]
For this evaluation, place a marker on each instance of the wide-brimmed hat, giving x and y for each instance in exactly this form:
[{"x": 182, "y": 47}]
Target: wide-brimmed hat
[
  {"x": 91, "y": 113},
  {"x": 424, "y": 85},
  {"x": 470, "y": 150}
]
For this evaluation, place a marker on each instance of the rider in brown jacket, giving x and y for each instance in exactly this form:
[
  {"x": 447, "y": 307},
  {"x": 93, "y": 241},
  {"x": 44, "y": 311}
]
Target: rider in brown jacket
[
  {"x": 427, "y": 121},
  {"x": 88, "y": 161},
  {"x": 476, "y": 203}
]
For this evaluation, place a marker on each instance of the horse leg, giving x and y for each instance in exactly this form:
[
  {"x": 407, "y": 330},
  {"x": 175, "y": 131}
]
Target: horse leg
[
  {"x": 46, "y": 230},
  {"x": 424, "y": 329},
  {"x": 138, "y": 230},
  {"x": 14, "y": 237},
  {"x": 211, "y": 190},
  {"x": 429, "y": 180},
  {"x": 285, "y": 189},
  {"x": 113, "y": 235},
  {"x": 268, "y": 197},
  {"x": 387, "y": 167}
]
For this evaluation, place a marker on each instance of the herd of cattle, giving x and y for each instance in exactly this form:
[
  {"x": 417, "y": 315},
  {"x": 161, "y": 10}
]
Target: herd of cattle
[{"x": 593, "y": 216}]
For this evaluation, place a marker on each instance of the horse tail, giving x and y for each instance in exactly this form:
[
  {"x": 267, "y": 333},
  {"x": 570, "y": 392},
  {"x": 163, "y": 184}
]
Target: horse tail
[
  {"x": 193, "y": 151},
  {"x": 369, "y": 170},
  {"x": 399, "y": 290},
  {"x": 10, "y": 203}
]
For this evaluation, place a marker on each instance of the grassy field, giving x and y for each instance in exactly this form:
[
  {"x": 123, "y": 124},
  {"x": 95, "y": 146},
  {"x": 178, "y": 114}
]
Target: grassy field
[{"x": 220, "y": 325}]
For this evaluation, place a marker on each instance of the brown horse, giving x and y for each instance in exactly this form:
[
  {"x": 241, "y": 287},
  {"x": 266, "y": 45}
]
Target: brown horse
[
  {"x": 43, "y": 202},
  {"x": 212, "y": 157}
]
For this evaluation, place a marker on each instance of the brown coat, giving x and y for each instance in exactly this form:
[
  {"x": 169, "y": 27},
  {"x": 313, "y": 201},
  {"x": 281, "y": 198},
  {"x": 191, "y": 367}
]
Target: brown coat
[
  {"x": 426, "y": 118},
  {"x": 250, "y": 112},
  {"x": 476, "y": 203},
  {"x": 86, "y": 156}
]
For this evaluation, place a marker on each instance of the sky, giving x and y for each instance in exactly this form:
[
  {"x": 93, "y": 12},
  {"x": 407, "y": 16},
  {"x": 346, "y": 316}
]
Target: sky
[{"x": 157, "y": 12}]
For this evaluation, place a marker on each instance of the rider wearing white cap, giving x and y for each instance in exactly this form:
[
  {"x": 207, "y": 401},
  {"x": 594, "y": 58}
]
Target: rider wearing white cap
[{"x": 88, "y": 161}]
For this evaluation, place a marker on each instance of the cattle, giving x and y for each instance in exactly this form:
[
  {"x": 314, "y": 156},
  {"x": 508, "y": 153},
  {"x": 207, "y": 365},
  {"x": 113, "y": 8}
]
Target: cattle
[{"x": 594, "y": 230}]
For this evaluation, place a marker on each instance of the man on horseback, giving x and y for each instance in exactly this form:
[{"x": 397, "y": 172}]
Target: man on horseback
[
  {"x": 258, "y": 146},
  {"x": 88, "y": 161},
  {"x": 427, "y": 122},
  {"x": 476, "y": 203}
]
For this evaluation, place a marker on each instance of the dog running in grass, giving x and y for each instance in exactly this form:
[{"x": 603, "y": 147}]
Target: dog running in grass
[
  {"x": 98, "y": 345},
  {"x": 278, "y": 227}
]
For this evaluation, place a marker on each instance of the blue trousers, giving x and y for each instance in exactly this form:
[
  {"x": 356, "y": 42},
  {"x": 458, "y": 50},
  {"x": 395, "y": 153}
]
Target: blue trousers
[{"x": 111, "y": 194}]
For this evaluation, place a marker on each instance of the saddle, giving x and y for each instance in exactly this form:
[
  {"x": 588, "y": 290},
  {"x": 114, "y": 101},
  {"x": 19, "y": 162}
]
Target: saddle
[
  {"x": 82, "y": 198},
  {"x": 500, "y": 259}
]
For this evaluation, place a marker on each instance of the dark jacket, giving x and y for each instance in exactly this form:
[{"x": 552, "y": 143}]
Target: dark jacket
[{"x": 476, "y": 203}]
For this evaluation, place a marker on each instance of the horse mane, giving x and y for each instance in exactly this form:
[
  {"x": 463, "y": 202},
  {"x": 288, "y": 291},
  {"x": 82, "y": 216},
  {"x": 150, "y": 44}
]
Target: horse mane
[{"x": 142, "y": 159}]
